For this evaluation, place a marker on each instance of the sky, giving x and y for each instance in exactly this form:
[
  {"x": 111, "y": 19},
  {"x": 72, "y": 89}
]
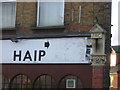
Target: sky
[{"x": 114, "y": 18}]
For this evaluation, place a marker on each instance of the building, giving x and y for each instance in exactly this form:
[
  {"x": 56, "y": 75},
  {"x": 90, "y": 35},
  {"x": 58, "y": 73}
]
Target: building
[
  {"x": 56, "y": 44},
  {"x": 114, "y": 71}
]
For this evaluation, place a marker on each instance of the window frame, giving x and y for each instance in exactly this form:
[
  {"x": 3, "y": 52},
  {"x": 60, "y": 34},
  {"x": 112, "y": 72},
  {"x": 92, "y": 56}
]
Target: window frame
[
  {"x": 38, "y": 9},
  {"x": 67, "y": 83},
  {"x": 20, "y": 81},
  {"x": 44, "y": 82},
  {"x": 4, "y": 82},
  {"x": 11, "y": 1},
  {"x": 8, "y": 1},
  {"x": 38, "y": 14}
]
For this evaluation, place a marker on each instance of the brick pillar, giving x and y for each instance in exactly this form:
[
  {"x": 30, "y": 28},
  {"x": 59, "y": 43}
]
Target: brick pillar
[
  {"x": 98, "y": 56},
  {"x": 97, "y": 77},
  {"x": 118, "y": 80}
]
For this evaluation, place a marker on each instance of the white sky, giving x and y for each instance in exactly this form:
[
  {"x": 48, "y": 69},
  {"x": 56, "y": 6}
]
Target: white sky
[{"x": 114, "y": 28}]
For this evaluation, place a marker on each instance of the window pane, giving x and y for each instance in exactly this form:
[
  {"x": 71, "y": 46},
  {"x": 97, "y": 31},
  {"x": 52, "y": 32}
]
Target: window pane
[
  {"x": 21, "y": 82},
  {"x": 70, "y": 81},
  {"x": 70, "y": 84},
  {"x": 8, "y": 14},
  {"x": 51, "y": 13},
  {"x": 4, "y": 82},
  {"x": 44, "y": 81}
]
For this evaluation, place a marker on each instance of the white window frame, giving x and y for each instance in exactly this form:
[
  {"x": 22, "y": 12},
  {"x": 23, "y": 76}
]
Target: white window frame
[
  {"x": 67, "y": 83},
  {"x": 38, "y": 10},
  {"x": 7, "y": 0},
  {"x": 10, "y": 1}
]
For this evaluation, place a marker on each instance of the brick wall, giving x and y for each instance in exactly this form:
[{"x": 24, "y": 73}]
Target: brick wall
[
  {"x": 26, "y": 14},
  {"x": 97, "y": 79},
  {"x": 91, "y": 13}
]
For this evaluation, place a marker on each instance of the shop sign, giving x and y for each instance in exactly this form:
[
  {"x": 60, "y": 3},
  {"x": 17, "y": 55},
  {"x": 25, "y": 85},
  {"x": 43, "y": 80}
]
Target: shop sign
[{"x": 51, "y": 50}]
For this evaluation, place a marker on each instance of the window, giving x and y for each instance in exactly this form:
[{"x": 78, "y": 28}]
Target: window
[
  {"x": 4, "y": 82},
  {"x": 20, "y": 82},
  {"x": 50, "y": 13},
  {"x": 70, "y": 83},
  {"x": 111, "y": 81},
  {"x": 113, "y": 59},
  {"x": 44, "y": 81},
  {"x": 8, "y": 15}
]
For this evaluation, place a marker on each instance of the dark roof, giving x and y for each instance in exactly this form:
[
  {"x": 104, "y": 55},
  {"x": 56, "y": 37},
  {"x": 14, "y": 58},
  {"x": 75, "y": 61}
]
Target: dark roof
[{"x": 116, "y": 48}]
